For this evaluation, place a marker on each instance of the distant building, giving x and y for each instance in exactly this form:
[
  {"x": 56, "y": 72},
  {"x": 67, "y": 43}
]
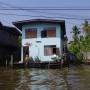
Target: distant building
[
  {"x": 8, "y": 42},
  {"x": 42, "y": 38}
]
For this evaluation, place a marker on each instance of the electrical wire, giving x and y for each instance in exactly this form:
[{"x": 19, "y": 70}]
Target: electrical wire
[
  {"x": 28, "y": 9},
  {"x": 43, "y": 8},
  {"x": 47, "y": 16},
  {"x": 12, "y": 7}
]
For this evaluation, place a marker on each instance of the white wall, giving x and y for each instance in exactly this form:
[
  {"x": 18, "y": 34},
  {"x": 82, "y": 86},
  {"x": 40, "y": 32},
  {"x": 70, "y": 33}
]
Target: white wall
[
  {"x": 37, "y": 49},
  {"x": 87, "y": 55}
]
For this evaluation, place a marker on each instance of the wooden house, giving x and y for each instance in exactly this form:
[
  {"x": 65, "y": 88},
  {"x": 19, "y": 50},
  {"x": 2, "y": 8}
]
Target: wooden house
[{"x": 8, "y": 43}]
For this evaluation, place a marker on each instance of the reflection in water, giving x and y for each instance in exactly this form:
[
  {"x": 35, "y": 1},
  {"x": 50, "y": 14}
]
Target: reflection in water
[{"x": 73, "y": 78}]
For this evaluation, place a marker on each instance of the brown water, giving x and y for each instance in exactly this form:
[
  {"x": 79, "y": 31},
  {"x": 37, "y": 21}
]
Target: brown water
[{"x": 73, "y": 78}]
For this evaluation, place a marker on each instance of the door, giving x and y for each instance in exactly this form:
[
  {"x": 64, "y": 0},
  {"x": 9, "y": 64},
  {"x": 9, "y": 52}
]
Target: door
[{"x": 25, "y": 51}]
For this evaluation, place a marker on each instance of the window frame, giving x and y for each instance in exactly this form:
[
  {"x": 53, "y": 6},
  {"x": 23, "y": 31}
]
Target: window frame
[
  {"x": 32, "y": 30},
  {"x": 51, "y": 48},
  {"x": 45, "y": 33}
]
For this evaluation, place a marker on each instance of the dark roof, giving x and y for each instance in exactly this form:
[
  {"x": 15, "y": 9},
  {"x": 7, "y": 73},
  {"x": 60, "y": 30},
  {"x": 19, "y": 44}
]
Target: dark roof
[
  {"x": 9, "y": 29},
  {"x": 19, "y": 24},
  {"x": 0, "y": 24}
]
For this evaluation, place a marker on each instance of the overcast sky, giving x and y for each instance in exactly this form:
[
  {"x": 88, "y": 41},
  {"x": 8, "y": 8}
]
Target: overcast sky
[{"x": 7, "y": 18}]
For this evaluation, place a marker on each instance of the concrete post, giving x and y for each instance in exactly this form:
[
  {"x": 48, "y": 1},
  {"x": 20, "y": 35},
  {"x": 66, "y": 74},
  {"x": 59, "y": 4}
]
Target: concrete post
[
  {"x": 22, "y": 54},
  {"x": 11, "y": 62},
  {"x": 6, "y": 62}
]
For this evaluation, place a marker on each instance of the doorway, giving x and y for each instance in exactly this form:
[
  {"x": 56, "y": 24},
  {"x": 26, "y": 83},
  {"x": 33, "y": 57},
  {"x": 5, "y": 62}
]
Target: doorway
[{"x": 25, "y": 51}]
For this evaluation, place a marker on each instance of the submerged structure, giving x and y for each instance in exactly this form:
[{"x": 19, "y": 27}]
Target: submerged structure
[
  {"x": 8, "y": 43},
  {"x": 42, "y": 38}
]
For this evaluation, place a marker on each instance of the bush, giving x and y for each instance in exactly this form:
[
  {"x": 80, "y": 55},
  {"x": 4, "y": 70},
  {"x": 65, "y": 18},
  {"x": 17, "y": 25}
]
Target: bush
[
  {"x": 37, "y": 59},
  {"x": 31, "y": 60},
  {"x": 79, "y": 57}
]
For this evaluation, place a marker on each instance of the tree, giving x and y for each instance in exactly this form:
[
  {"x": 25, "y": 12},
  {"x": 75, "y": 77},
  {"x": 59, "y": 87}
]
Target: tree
[
  {"x": 74, "y": 46},
  {"x": 80, "y": 44},
  {"x": 86, "y": 28},
  {"x": 86, "y": 39},
  {"x": 75, "y": 32}
]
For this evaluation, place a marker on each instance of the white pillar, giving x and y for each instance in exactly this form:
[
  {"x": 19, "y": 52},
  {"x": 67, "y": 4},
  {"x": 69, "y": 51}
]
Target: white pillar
[
  {"x": 6, "y": 63},
  {"x": 22, "y": 54},
  {"x": 11, "y": 62}
]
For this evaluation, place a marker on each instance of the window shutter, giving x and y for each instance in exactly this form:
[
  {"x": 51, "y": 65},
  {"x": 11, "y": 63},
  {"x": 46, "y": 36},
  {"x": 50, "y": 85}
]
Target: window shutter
[
  {"x": 31, "y": 33},
  {"x": 51, "y": 33}
]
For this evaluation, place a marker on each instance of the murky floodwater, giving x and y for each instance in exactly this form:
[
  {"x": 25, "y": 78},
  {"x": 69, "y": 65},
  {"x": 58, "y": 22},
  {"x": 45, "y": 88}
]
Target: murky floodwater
[{"x": 73, "y": 78}]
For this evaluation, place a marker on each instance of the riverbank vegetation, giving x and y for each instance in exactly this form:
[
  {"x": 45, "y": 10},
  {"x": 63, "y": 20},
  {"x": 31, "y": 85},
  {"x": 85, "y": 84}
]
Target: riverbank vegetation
[{"x": 81, "y": 41}]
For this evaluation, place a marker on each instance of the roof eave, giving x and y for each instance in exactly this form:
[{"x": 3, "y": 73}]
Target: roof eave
[{"x": 19, "y": 24}]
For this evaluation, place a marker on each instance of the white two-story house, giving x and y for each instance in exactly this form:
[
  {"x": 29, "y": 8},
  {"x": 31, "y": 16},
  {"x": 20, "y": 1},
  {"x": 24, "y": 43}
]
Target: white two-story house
[{"x": 42, "y": 38}]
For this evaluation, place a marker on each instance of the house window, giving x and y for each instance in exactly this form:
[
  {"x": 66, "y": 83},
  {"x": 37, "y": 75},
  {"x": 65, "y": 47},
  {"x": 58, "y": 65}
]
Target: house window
[
  {"x": 49, "y": 50},
  {"x": 43, "y": 33},
  {"x": 31, "y": 33},
  {"x": 48, "y": 32}
]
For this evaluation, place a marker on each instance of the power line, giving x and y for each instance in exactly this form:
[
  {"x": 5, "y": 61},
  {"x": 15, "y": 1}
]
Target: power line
[
  {"x": 31, "y": 10},
  {"x": 45, "y": 12},
  {"x": 2, "y": 3},
  {"x": 25, "y": 15},
  {"x": 54, "y": 13},
  {"x": 47, "y": 16},
  {"x": 42, "y": 8},
  {"x": 66, "y": 9},
  {"x": 38, "y": 10}
]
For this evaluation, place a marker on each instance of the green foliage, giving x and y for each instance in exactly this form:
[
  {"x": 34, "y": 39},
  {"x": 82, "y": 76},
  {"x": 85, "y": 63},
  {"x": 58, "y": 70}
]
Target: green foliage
[
  {"x": 75, "y": 32},
  {"x": 79, "y": 57},
  {"x": 31, "y": 60},
  {"x": 87, "y": 43},
  {"x": 37, "y": 59},
  {"x": 19, "y": 41},
  {"x": 81, "y": 43},
  {"x": 86, "y": 39},
  {"x": 74, "y": 46},
  {"x": 86, "y": 28}
]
